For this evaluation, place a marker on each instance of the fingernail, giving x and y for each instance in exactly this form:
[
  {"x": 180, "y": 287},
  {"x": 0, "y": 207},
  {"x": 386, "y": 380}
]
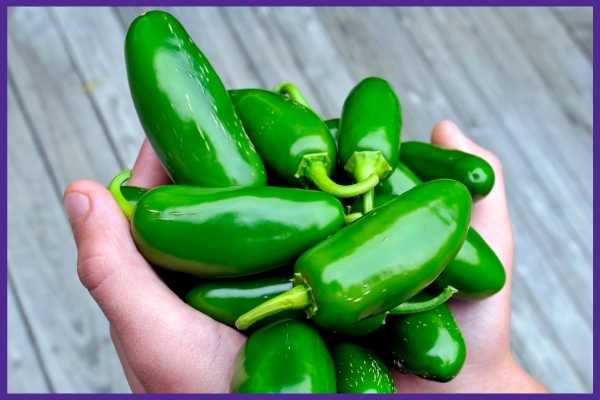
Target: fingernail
[{"x": 77, "y": 206}]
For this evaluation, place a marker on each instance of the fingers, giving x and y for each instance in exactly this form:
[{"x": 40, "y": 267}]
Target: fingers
[
  {"x": 134, "y": 382},
  {"x": 490, "y": 214},
  {"x": 147, "y": 170},
  {"x": 108, "y": 263}
]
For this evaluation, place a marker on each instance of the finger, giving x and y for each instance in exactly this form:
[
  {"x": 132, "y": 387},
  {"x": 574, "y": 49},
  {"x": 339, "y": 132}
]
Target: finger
[
  {"x": 134, "y": 382},
  {"x": 147, "y": 170},
  {"x": 108, "y": 263},
  {"x": 490, "y": 214}
]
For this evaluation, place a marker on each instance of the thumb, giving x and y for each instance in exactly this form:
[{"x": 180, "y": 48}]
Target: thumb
[{"x": 108, "y": 263}]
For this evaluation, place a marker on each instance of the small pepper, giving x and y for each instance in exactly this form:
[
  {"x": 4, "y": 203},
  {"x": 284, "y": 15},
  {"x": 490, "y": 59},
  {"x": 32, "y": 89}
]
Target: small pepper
[
  {"x": 476, "y": 271},
  {"x": 369, "y": 136},
  {"x": 184, "y": 108},
  {"x": 293, "y": 141},
  {"x": 428, "y": 344},
  {"x": 405, "y": 243},
  {"x": 219, "y": 232},
  {"x": 287, "y": 356},
  {"x": 432, "y": 162},
  {"x": 224, "y": 300},
  {"x": 360, "y": 371}
]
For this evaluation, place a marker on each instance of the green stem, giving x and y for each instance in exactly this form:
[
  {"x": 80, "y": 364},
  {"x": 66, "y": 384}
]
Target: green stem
[
  {"x": 317, "y": 173},
  {"x": 290, "y": 90},
  {"x": 350, "y": 218},
  {"x": 114, "y": 187},
  {"x": 368, "y": 199},
  {"x": 422, "y": 306},
  {"x": 296, "y": 298}
]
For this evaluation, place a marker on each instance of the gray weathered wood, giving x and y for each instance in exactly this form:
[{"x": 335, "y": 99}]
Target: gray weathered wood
[
  {"x": 55, "y": 140},
  {"x": 580, "y": 23},
  {"x": 25, "y": 374}
]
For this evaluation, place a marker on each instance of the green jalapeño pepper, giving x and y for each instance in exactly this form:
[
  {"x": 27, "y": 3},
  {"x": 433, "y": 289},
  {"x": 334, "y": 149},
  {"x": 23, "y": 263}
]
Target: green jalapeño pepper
[
  {"x": 225, "y": 300},
  {"x": 476, "y": 271},
  {"x": 428, "y": 344},
  {"x": 370, "y": 128},
  {"x": 360, "y": 371},
  {"x": 184, "y": 108},
  {"x": 285, "y": 357},
  {"x": 334, "y": 128},
  {"x": 378, "y": 261},
  {"x": 292, "y": 140},
  {"x": 431, "y": 162},
  {"x": 219, "y": 232},
  {"x": 133, "y": 193}
]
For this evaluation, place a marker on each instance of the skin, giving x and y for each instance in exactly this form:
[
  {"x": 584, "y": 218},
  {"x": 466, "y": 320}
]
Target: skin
[{"x": 154, "y": 345}]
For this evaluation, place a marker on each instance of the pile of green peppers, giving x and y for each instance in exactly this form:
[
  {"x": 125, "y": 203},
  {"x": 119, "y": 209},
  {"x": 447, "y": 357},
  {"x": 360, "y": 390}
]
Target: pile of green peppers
[{"x": 333, "y": 245}]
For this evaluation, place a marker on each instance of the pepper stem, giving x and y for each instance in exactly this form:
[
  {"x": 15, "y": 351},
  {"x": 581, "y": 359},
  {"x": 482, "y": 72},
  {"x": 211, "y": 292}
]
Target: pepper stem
[
  {"x": 114, "y": 187},
  {"x": 317, "y": 173},
  {"x": 422, "y": 306},
  {"x": 350, "y": 218},
  {"x": 291, "y": 91},
  {"x": 296, "y": 298},
  {"x": 368, "y": 199}
]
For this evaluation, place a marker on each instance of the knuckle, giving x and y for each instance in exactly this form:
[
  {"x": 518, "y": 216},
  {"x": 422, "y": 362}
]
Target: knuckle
[{"x": 93, "y": 271}]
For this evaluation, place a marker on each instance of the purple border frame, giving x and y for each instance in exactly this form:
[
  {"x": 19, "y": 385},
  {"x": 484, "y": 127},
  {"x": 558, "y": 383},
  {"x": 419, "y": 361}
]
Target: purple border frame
[{"x": 4, "y": 156}]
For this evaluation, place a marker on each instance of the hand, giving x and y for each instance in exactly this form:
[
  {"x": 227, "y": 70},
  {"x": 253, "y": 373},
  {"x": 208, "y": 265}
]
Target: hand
[
  {"x": 163, "y": 344},
  {"x": 485, "y": 324}
]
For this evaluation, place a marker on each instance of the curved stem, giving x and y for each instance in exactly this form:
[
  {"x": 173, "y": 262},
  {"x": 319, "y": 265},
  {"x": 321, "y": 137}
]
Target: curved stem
[
  {"x": 290, "y": 90},
  {"x": 317, "y": 173},
  {"x": 114, "y": 187},
  {"x": 368, "y": 199},
  {"x": 421, "y": 306},
  {"x": 350, "y": 218},
  {"x": 294, "y": 299}
]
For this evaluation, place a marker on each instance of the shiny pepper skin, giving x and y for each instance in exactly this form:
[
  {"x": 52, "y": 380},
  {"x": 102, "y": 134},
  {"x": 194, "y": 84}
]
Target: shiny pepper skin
[
  {"x": 287, "y": 356},
  {"x": 428, "y": 344},
  {"x": 184, "y": 108},
  {"x": 213, "y": 232},
  {"x": 360, "y": 371}
]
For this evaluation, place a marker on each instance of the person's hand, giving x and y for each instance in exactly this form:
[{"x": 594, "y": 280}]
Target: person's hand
[
  {"x": 490, "y": 366},
  {"x": 163, "y": 344}
]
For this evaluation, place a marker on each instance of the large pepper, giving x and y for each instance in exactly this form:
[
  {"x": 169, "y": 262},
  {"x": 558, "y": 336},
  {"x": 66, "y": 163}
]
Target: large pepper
[
  {"x": 431, "y": 162},
  {"x": 360, "y": 371},
  {"x": 225, "y": 300},
  {"x": 476, "y": 271},
  {"x": 292, "y": 140},
  {"x": 428, "y": 344},
  {"x": 285, "y": 357},
  {"x": 378, "y": 261},
  {"x": 218, "y": 232},
  {"x": 184, "y": 108},
  {"x": 369, "y": 136}
]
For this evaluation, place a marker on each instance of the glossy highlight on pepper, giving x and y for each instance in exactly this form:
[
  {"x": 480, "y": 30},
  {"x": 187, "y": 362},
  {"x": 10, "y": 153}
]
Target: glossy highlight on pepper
[
  {"x": 360, "y": 371},
  {"x": 285, "y": 357},
  {"x": 432, "y": 162},
  {"x": 184, "y": 108},
  {"x": 293, "y": 141},
  {"x": 406, "y": 243},
  {"x": 428, "y": 344},
  {"x": 476, "y": 271},
  {"x": 218, "y": 232}
]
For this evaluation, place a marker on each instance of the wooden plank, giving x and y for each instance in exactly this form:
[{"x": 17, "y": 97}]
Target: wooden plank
[
  {"x": 580, "y": 23},
  {"x": 24, "y": 370},
  {"x": 355, "y": 35},
  {"x": 77, "y": 146},
  {"x": 559, "y": 62},
  {"x": 54, "y": 138},
  {"x": 94, "y": 41}
]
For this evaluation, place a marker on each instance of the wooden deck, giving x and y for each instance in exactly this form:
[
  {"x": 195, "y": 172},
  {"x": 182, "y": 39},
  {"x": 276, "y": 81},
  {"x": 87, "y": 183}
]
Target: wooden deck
[{"x": 519, "y": 81}]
